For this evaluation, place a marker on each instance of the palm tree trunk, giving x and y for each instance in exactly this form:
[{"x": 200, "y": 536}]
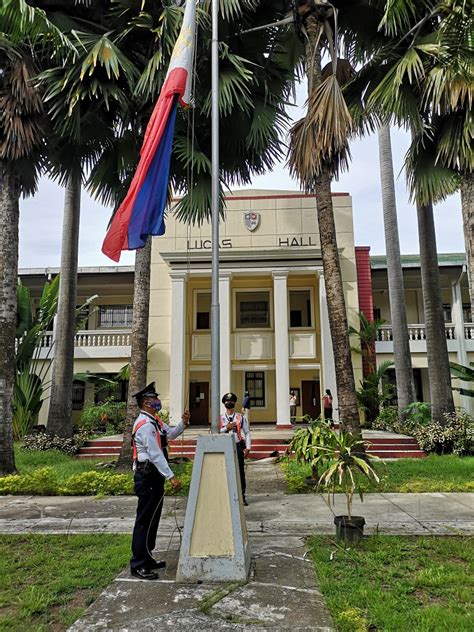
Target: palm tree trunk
[
  {"x": 138, "y": 361},
  {"x": 9, "y": 218},
  {"x": 467, "y": 205},
  {"x": 436, "y": 346},
  {"x": 345, "y": 385},
  {"x": 60, "y": 407},
  {"x": 396, "y": 290}
]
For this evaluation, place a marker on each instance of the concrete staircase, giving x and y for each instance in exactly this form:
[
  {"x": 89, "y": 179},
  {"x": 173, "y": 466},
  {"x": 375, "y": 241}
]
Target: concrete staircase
[{"x": 385, "y": 447}]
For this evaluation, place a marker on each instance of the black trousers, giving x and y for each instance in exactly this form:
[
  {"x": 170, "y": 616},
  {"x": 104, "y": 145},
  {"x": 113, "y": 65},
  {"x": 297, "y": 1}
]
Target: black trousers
[
  {"x": 241, "y": 460},
  {"x": 149, "y": 487}
]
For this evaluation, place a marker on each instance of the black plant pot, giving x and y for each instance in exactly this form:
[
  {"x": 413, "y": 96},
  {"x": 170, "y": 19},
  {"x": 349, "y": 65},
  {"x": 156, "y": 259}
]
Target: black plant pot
[
  {"x": 311, "y": 482},
  {"x": 349, "y": 529}
]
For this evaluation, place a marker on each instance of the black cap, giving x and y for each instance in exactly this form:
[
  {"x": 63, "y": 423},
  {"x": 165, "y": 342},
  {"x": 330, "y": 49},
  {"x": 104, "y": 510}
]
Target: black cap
[
  {"x": 148, "y": 391},
  {"x": 229, "y": 397}
]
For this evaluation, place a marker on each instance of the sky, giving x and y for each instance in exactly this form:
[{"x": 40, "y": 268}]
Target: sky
[{"x": 41, "y": 216}]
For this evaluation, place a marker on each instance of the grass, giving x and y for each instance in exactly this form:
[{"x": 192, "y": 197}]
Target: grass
[
  {"x": 47, "y": 581},
  {"x": 64, "y": 465},
  {"x": 431, "y": 474},
  {"x": 398, "y": 583}
]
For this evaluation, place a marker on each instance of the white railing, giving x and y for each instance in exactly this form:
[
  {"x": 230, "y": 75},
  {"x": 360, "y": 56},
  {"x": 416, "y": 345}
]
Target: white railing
[
  {"x": 418, "y": 332},
  {"x": 95, "y": 338},
  {"x": 469, "y": 332}
]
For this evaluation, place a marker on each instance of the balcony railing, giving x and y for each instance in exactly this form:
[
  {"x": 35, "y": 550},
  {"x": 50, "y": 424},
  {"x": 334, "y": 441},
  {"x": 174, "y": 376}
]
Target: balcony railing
[
  {"x": 95, "y": 338},
  {"x": 418, "y": 332}
]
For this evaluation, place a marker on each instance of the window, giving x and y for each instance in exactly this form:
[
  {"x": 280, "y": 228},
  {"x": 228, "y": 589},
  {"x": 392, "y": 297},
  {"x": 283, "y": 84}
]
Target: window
[
  {"x": 78, "y": 393},
  {"x": 447, "y": 312},
  {"x": 117, "y": 391},
  {"x": 253, "y": 310},
  {"x": 115, "y": 316},
  {"x": 203, "y": 310},
  {"x": 466, "y": 312},
  {"x": 300, "y": 308},
  {"x": 255, "y": 385},
  {"x": 377, "y": 313}
]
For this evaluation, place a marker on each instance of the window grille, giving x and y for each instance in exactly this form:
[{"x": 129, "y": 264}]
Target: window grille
[
  {"x": 115, "y": 316},
  {"x": 255, "y": 385},
  {"x": 78, "y": 394}
]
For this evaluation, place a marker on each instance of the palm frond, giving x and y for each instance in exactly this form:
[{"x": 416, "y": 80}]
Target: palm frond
[{"x": 320, "y": 140}]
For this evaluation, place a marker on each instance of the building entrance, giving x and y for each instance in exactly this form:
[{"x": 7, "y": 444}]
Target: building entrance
[
  {"x": 311, "y": 398},
  {"x": 199, "y": 403}
]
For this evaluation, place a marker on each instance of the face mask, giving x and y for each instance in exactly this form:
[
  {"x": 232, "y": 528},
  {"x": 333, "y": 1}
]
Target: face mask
[
  {"x": 156, "y": 405},
  {"x": 229, "y": 405}
]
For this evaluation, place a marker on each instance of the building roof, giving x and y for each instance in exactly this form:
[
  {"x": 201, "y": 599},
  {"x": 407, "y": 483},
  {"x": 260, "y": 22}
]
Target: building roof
[{"x": 450, "y": 259}]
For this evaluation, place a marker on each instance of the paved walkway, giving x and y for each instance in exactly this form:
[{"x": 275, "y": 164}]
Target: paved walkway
[{"x": 282, "y": 592}]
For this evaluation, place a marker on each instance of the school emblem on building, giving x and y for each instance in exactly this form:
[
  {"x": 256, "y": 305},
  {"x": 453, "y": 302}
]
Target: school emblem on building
[{"x": 251, "y": 220}]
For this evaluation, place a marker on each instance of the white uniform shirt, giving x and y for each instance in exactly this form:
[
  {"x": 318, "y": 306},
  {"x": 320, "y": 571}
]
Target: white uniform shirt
[
  {"x": 244, "y": 428},
  {"x": 147, "y": 444}
]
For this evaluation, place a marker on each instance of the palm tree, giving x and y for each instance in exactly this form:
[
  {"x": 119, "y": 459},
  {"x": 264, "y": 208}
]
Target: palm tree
[
  {"x": 318, "y": 149},
  {"x": 401, "y": 343},
  {"x": 20, "y": 159},
  {"x": 421, "y": 77}
]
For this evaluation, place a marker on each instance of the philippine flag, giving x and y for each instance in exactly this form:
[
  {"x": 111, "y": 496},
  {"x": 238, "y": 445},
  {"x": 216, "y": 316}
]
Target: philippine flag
[{"x": 142, "y": 211}]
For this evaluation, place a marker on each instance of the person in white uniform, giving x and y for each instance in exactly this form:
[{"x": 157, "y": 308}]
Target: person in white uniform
[
  {"x": 150, "y": 438},
  {"x": 238, "y": 424}
]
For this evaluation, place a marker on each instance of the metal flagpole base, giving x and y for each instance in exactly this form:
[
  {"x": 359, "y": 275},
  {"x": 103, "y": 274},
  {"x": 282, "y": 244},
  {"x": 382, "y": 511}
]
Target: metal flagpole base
[{"x": 215, "y": 545}]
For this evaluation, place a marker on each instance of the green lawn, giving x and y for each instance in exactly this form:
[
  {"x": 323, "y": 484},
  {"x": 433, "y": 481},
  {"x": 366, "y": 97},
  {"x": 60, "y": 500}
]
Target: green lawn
[
  {"x": 398, "y": 584},
  {"x": 431, "y": 474},
  {"x": 64, "y": 465},
  {"x": 47, "y": 581}
]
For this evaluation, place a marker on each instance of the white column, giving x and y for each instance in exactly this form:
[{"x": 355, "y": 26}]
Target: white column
[
  {"x": 225, "y": 318},
  {"x": 461, "y": 352},
  {"x": 178, "y": 346},
  {"x": 328, "y": 373},
  {"x": 282, "y": 350}
]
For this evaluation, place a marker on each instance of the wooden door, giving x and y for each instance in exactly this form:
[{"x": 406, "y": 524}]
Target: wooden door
[
  {"x": 199, "y": 403},
  {"x": 311, "y": 398}
]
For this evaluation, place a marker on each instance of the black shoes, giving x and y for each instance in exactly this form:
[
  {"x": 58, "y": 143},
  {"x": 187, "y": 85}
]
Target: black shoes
[
  {"x": 245, "y": 503},
  {"x": 156, "y": 565},
  {"x": 144, "y": 573}
]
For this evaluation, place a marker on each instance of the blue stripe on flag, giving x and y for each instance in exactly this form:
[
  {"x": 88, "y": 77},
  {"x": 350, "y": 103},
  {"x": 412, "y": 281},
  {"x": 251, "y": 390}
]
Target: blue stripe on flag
[{"x": 149, "y": 207}]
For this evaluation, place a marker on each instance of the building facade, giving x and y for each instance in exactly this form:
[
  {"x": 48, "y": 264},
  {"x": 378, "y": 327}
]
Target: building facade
[{"x": 273, "y": 312}]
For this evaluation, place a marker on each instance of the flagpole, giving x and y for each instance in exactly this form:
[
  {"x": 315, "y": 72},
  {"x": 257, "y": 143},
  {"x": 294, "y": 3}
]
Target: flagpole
[{"x": 215, "y": 316}]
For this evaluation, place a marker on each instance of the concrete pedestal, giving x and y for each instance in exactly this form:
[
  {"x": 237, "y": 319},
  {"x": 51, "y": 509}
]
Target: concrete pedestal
[{"x": 215, "y": 544}]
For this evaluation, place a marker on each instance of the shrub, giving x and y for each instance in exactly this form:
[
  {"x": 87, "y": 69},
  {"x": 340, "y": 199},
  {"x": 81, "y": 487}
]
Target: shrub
[
  {"x": 94, "y": 483},
  {"x": 109, "y": 416},
  {"x": 456, "y": 435},
  {"x": 43, "y": 481},
  {"x": 44, "y": 441},
  {"x": 387, "y": 419}
]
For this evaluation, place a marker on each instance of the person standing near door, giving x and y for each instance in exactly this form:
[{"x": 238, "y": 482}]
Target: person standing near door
[
  {"x": 246, "y": 405},
  {"x": 292, "y": 407},
  {"x": 238, "y": 425},
  {"x": 327, "y": 407}
]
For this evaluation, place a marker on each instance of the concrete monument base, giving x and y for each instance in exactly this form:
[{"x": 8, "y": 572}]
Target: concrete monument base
[{"x": 215, "y": 544}]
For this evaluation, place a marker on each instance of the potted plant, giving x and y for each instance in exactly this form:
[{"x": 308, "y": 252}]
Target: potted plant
[
  {"x": 305, "y": 445},
  {"x": 346, "y": 464}
]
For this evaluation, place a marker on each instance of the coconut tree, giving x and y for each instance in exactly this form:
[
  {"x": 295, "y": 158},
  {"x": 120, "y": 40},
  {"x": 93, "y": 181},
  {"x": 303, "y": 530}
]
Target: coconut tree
[
  {"x": 401, "y": 344},
  {"x": 467, "y": 205},
  {"x": 318, "y": 150},
  {"x": 20, "y": 161},
  {"x": 423, "y": 79}
]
